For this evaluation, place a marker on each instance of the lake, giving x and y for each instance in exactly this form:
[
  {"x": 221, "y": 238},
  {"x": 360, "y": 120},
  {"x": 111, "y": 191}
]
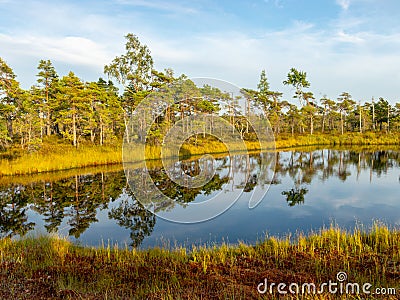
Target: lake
[{"x": 310, "y": 189}]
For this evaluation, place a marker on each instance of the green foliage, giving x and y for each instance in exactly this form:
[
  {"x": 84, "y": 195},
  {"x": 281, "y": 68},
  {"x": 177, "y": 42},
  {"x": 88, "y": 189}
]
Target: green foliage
[
  {"x": 134, "y": 68},
  {"x": 297, "y": 79},
  {"x": 263, "y": 85},
  {"x": 4, "y": 137},
  {"x": 46, "y": 96}
]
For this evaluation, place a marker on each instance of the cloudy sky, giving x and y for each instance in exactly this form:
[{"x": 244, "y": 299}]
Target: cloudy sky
[{"x": 343, "y": 45}]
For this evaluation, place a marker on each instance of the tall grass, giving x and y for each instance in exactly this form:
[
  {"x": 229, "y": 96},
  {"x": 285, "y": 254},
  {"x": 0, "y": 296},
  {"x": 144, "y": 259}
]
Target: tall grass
[
  {"x": 62, "y": 158},
  {"x": 55, "y": 267},
  {"x": 352, "y": 138}
]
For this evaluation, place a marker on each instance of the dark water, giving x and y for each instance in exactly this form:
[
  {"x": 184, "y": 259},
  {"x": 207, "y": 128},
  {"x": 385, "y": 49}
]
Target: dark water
[{"x": 310, "y": 189}]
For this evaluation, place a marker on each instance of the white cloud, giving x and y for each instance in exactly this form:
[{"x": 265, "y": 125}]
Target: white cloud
[
  {"x": 277, "y": 3},
  {"x": 72, "y": 50},
  {"x": 350, "y": 38},
  {"x": 344, "y": 4},
  {"x": 171, "y": 51},
  {"x": 160, "y": 5},
  {"x": 335, "y": 62},
  {"x": 83, "y": 56}
]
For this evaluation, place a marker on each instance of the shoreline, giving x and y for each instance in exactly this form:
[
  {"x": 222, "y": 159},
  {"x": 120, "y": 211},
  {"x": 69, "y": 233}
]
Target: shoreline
[{"x": 65, "y": 157}]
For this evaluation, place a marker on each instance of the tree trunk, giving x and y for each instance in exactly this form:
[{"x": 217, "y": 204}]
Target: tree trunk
[
  {"x": 74, "y": 130},
  {"x": 323, "y": 119},
  {"x": 205, "y": 128},
  {"x": 22, "y": 137},
  {"x": 30, "y": 131},
  {"x": 101, "y": 133},
  {"x": 92, "y": 135},
  {"x": 126, "y": 128},
  {"x": 373, "y": 114},
  {"x": 10, "y": 126},
  {"x": 341, "y": 121},
  {"x": 48, "y": 124}
]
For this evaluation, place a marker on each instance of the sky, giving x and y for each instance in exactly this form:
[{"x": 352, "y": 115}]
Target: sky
[{"x": 343, "y": 45}]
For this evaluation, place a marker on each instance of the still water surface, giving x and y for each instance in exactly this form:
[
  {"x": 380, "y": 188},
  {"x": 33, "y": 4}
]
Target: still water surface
[{"x": 311, "y": 188}]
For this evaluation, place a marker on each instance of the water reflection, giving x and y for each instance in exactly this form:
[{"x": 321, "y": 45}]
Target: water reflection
[
  {"x": 134, "y": 217},
  {"x": 295, "y": 196},
  {"x": 103, "y": 201}
]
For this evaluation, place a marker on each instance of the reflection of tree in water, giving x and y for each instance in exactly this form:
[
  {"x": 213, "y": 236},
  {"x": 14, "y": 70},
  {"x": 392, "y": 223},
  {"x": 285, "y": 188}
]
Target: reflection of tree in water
[
  {"x": 182, "y": 194},
  {"x": 85, "y": 197},
  {"x": 76, "y": 197},
  {"x": 255, "y": 172},
  {"x": 380, "y": 161},
  {"x": 304, "y": 167},
  {"x": 53, "y": 211},
  {"x": 295, "y": 196},
  {"x": 13, "y": 206},
  {"x": 247, "y": 170},
  {"x": 87, "y": 194},
  {"x": 76, "y": 200},
  {"x": 250, "y": 184},
  {"x": 191, "y": 168},
  {"x": 344, "y": 159},
  {"x": 131, "y": 214}
]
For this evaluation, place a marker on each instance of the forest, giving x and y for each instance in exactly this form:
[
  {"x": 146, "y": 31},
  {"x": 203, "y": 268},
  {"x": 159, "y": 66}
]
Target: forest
[{"x": 71, "y": 110}]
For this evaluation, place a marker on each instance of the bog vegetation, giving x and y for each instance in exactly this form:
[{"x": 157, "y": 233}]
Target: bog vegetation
[{"x": 48, "y": 267}]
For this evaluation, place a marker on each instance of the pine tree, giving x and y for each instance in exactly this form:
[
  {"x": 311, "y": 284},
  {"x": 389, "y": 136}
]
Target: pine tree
[
  {"x": 48, "y": 82},
  {"x": 344, "y": 105},
  {"x": 10, "y": 93},
  {"x": 74, "y": 107}
]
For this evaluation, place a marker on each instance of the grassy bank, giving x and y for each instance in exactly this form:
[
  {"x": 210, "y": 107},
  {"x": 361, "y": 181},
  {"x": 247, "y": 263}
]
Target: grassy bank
[
  {"x": 53, "y": 156},
  {"x": 52, "y": 267},
  {"x": 348, "y": 139}
]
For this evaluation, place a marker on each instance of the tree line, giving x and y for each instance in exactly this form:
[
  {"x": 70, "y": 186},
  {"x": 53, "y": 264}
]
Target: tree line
[
  {"x": 340, "y": 115},
  {"x": 82, "y": 112}
]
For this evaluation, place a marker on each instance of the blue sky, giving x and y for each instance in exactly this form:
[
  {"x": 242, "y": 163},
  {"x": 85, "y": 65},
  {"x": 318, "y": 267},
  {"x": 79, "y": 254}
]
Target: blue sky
[{"x": 343, "y": 45}]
